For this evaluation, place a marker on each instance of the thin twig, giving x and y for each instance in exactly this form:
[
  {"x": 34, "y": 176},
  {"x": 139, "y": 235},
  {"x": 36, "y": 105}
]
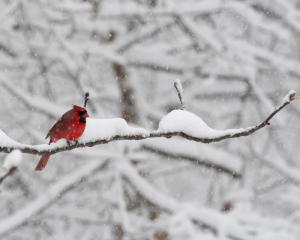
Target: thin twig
[
  {"x": 179, "y": 90},
  {"x": 86, "y": 98}
]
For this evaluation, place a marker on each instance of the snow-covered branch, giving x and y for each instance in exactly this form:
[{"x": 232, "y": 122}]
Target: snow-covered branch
[
  {"x": 178, "y": 123},
  {"x": 11, "y": 163}
]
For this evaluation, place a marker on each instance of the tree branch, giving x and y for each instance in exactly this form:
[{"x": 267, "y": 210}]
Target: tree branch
[{"x": 141, "y": 134}]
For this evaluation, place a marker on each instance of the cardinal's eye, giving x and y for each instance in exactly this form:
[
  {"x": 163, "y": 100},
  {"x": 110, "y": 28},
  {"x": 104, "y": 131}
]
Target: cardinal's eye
[{"x": 82, "y": 113}]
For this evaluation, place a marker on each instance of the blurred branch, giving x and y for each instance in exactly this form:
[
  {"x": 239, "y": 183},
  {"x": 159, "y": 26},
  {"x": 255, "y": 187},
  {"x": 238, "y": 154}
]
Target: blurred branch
[
  {"x": 128, "y": 107},
  {"x": 205, "y": 218},
  {"x": 207, "y": 163},
  {"x": 33, "y": 102},
  {"x": 191, "y": 29},
  {"x": 49, "y": 196},
  {"x": 7, "y": 50},
  {"x": 10, "y": 172},
  {"x": 189, "y": 32},
  {"x": 203, "y": 7},
  {"x": 155, "y": 66},
  {"x": 290, "y": 173},
  {"x": 123, "y": 45}
]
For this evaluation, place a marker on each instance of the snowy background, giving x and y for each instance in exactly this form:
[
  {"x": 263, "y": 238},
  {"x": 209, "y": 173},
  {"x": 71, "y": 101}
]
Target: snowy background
[{"x": 236, "y": 60}]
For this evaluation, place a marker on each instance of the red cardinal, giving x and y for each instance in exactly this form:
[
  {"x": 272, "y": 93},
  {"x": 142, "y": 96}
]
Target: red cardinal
[{"x": 70, "y": 127}]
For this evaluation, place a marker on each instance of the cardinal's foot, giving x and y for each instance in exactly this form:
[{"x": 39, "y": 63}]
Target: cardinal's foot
[{"x": 75, "y": 142}]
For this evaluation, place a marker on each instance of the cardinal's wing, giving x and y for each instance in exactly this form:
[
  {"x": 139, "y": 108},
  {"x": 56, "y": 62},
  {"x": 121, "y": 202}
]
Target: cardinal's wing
[{"x": 61, "y": 125}]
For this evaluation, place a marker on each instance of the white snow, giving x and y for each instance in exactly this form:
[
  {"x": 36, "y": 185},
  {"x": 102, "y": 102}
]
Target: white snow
[
  {"x": 181, "y": 120},
  {"x": 13, "y": 159},
  {"x": 290, "y": 96},
  {"x": 108, "y": 128},
  {"x": 190, "y": 124}
]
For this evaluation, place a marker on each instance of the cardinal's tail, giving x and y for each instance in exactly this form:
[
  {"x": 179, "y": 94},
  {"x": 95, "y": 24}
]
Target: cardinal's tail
[
  {"x": 44, "y": 159},
  {"x": 42, "y": 163}
]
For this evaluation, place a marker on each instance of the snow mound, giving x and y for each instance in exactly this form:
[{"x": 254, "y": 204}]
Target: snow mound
[
  {"x": 184, "y": 121},
  {"x": 12, "y": 160},
  {"x": 190, "y": 124},
  {"x": 108, "y": 128}
]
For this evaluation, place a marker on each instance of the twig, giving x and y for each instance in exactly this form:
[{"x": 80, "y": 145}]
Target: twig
[
  {"x": 179, "y": 89},
  {"x": 86, "y": 98}
]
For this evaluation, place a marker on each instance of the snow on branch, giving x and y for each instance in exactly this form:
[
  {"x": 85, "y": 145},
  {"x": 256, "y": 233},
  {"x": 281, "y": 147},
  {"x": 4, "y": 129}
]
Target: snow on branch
[
  {"x": 11, "y": 163},
  {"x": 180, "y": 123},
  {"x": 12, "y": 160}
]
